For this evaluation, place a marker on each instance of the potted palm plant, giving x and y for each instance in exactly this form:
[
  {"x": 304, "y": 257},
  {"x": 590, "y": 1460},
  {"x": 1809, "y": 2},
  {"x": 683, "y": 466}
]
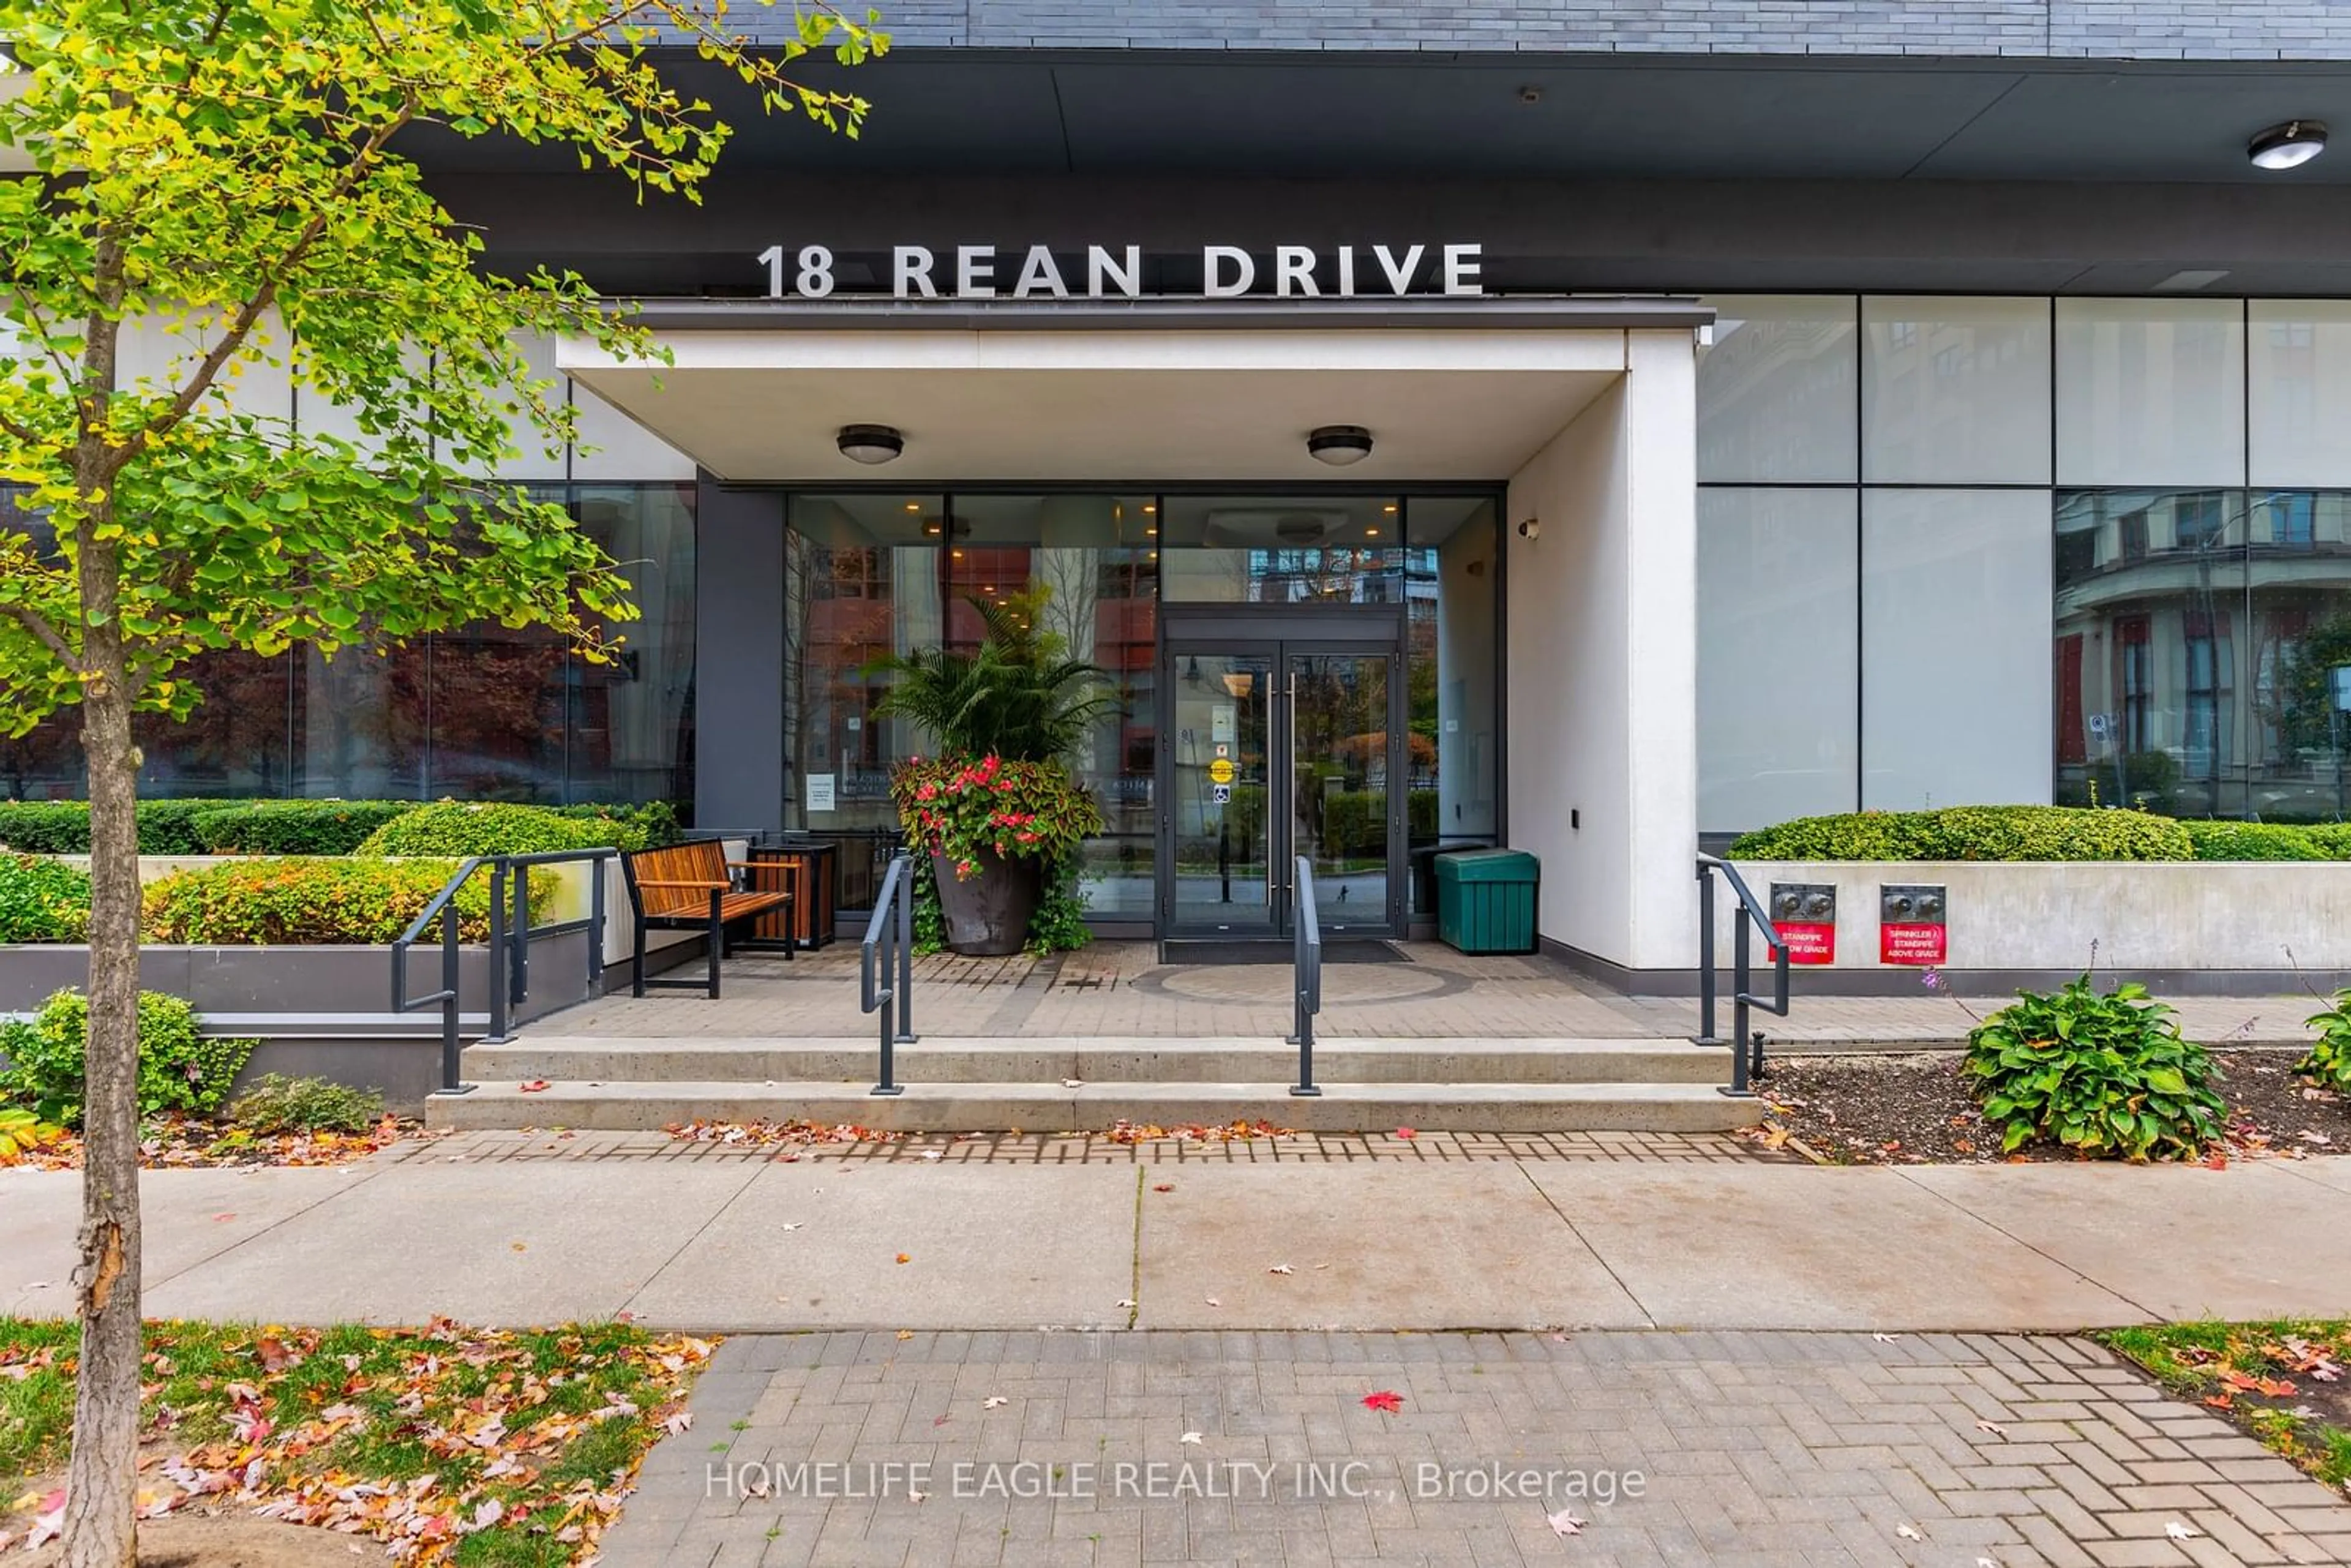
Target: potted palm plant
[{"x": 998, "y": 811}]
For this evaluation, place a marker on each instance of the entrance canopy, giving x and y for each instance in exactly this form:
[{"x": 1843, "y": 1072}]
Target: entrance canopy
[{"x": 1154, "y": 388}]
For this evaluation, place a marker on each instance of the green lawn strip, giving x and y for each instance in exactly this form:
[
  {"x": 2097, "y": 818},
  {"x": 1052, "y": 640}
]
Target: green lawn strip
[
  {"x": 2287, "y": 1383},
  {"x": 488, "y": 1447}
]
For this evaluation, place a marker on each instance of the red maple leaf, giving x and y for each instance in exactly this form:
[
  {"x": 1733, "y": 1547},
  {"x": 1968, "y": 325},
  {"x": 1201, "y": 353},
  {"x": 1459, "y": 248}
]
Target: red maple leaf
[{"x": 1384, "y": 1401}]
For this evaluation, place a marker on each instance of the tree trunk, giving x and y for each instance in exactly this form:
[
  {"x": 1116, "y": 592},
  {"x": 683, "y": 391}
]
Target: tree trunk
[{"x": 101, "y": 1504}]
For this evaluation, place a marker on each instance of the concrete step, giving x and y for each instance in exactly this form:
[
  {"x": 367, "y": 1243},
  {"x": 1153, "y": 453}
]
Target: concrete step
[
  {"x": 935, "y": 1105},
  {"x": 1093, "y": 1059}
]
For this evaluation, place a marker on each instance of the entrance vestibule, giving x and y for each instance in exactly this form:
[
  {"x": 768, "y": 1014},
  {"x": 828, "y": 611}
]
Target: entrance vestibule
[{"x": 1285, "y": 736}]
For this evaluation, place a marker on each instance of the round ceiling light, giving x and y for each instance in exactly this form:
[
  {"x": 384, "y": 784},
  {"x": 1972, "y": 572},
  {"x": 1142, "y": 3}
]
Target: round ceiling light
[
  {"x": 2287, "y": 146},
  {"x": 1339, "y": 444},
  {"x": 870, "y": 444}
]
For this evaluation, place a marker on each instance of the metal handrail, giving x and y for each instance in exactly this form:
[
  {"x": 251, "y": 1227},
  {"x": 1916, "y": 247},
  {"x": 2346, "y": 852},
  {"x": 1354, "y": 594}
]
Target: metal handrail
[
  {"x": 1306, "y": 975},
  {"x": 887, "y": 937},
  {"x": 1746, "y": 1047},
  {"x": 510, "y": 935}
]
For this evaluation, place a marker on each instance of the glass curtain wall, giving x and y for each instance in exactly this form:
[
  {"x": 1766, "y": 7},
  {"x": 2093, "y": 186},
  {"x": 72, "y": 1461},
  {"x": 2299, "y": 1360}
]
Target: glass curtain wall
[
  {"x": 873, "y": 573},
  {"x": 1902, "y": 497},
  {"x": 481, "y": 714}
]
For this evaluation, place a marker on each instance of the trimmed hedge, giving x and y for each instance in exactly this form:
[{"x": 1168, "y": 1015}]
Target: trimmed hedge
[
  {"x": 1972, "y": 833},
  {"x": 313, "y": 901},
  {"x": 2224, "y": 841},
  {"x": 294, "y": 827},
  {"x": 2038, "y": 834},
  {"x": 42, "y": 900},
  {"x": 202, "y": 826},
  {"x": 656, "y": 819},
  {"x": 493, "y": 829}
]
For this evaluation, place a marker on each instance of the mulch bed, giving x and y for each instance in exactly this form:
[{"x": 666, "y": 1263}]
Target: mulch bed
[{"x": 1914, "y": 1108}]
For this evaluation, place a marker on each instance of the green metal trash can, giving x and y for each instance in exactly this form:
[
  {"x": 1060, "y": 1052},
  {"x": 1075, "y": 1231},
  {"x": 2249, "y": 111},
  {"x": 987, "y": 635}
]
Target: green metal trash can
[{"x": 1486, "y": 900}]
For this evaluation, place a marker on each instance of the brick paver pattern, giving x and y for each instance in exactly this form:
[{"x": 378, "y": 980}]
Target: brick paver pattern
[
  {"x": 1429, "y": 1148},
  {"x": 1119, "y": 990},
  {"x": 1792, "y": 1451}
]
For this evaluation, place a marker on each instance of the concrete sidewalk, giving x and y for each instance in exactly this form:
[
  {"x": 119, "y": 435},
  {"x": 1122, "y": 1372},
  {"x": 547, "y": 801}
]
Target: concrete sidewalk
[{"x": 754, "y": 1244}]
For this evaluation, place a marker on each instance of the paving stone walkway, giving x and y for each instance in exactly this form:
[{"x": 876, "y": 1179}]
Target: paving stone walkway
[
  {"x": 1118, "y": 989},
  {"x": 1674, "y": 1450},
  {"x": 1420, "y": 1149}
]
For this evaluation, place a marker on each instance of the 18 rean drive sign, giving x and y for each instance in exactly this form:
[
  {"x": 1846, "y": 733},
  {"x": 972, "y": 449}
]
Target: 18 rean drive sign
[{"x": 1106, "y": 272}]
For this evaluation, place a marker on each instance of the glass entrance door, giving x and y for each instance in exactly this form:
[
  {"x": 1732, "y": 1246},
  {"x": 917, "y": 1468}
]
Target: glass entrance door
[{"x": 1277, "y": 749}]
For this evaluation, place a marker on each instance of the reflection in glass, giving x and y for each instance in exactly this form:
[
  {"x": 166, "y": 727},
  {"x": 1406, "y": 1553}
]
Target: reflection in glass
[
  {"x": 1339, "y": 782},
  {"x": 2150, "y": 391},
  {"x": 1452, "y": 646},
  {"x": 1223, "y": 741},
  {"x": 1958, "y": 391},
  {"x": 2150, "y": 615},
  {"x": 1277, "y": 550},
  {"x": 233, "y": 744},
  {"x": 1776, "y": 391},
  {"x": 628, "y": 737},
  {"x": 1779, "y": 607},
  {"x": 861, "y": 582}
]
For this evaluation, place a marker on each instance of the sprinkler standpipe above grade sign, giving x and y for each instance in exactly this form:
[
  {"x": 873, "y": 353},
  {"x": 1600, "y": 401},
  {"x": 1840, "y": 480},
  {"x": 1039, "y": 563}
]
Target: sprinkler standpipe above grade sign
[{"x": 1116, "y": 272}]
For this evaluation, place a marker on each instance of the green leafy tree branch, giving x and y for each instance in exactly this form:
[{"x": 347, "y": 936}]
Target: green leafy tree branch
[{"x": 230, "y": 175}]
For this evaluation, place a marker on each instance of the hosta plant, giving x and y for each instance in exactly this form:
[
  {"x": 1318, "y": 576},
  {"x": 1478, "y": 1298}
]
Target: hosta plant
[
  {"x": 2102, "y": 1073},
  {"x": 22, "y": 1132},
  {"x": 2328, "y": 1064}
]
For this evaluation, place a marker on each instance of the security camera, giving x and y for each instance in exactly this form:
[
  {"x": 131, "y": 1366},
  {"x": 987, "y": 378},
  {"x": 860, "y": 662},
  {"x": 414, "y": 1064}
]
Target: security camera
[{"x": 1532, "y": 528}]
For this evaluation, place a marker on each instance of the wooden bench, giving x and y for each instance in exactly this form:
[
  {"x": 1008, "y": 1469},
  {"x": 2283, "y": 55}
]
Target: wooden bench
[{"x": 690, "y": 887}]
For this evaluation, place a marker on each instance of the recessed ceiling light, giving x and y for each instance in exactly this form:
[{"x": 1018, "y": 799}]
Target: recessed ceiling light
[
  {"x": 1372, "y": 533},
  {"x": 2287, "y": 146},
  {"x": 1389, "y": 508},
  {"x": 914, "y": 506},
  {"x": 1148, "y": 509},
  {"x": 2192, "y": 278}
]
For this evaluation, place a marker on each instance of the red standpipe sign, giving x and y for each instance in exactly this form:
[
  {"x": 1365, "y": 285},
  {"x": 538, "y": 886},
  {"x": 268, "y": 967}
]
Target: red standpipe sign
[
  {"x": 1808, "y": 941},
  {"x": 1913, "y": 942}
]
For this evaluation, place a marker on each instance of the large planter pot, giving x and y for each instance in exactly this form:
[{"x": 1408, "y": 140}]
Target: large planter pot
[{"x": 987, "y": 914}]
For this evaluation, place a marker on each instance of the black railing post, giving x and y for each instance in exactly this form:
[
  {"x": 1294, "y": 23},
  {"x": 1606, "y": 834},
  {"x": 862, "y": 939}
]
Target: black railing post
[
  {"x": 518, "y": 934},
  {"x": 885, "y": 955},
  {"x": 452, "y": 1049},
  {"x": 501, "y": 958},
  {"x": 1739, "y": 978},
  {"x": 596, "y": 874},
  {"x": 903, "y": 991},
  {"x": 1306, "y": 979},
  {"x": 1705, "y": 1035}
]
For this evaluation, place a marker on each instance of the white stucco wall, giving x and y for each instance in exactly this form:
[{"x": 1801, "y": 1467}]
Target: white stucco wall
[{"x": 1600, "y": 642}]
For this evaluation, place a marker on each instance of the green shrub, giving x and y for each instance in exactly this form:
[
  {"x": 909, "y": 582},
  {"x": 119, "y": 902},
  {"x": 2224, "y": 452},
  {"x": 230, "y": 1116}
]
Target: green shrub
[
  {"x": 166, "y": 826},
  {"x": 2328, "y": 1062},
  {"x": 2105, "y": 1074},
  {"x": 451, "y": 828},
  {"x": 43, "y": 900},
  {"x": 314, "y": 902},
  {"x": 656, "y": 819},
  {"x": 179, "y": 1068},
  {"x": 2227, "y": 840},
  {"x": 45, "y": 827},
  {"x": 276, "y": 1103},
  {"x": 2331, "y": 839},
  {"x": 294, "y": 827},
  {"x": 1971, "y": 833}
]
